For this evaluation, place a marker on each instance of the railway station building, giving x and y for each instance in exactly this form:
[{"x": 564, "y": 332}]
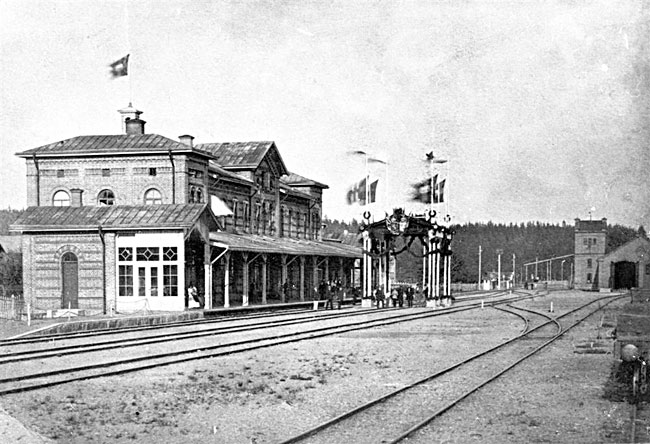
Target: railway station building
[{"x": 129, "y": 221}]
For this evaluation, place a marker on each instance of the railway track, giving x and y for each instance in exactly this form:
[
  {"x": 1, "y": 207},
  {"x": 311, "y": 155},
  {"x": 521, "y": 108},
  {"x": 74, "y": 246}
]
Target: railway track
[
  {"x": 416, "y": 405},
  {"x": 148, "y": 359},
  {"x": 191, "y": 323},
  {"x": 68, "y": 345}
]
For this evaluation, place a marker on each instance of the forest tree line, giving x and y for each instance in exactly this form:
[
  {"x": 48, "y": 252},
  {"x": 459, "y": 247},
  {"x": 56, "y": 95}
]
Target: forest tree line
[{"x": 528, "y": 242}]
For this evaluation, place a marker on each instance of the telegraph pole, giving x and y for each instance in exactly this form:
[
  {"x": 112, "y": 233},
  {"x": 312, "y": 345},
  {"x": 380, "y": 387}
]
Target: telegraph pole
[
  {"x": 480, "y": 280},
  {"x": 499, "y": 252},
  {"x": 514, "y": 273}
]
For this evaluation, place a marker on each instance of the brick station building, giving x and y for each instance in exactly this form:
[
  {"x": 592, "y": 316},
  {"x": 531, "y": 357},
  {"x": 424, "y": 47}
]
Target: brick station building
[{"x": 129, "y": 221}]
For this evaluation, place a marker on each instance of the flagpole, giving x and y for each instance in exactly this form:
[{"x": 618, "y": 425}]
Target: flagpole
[
  {"x": 367, "y": 183},
  {"x": 431, "y": 192},
  {"x": 447, "y": 193},
  {"x": 386, "y": 183},
  {"x": 128, "y": 45}
]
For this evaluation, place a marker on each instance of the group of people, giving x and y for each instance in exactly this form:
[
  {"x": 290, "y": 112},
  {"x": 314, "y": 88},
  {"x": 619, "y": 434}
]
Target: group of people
[
  {"x": 397, "y": 296},
  {"x": 330, "y": 291}
]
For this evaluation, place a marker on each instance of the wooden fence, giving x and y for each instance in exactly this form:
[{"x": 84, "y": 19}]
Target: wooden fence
[{"x": 12, "y": 307}]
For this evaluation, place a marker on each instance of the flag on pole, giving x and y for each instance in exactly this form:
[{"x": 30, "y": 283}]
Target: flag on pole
[
  {"x": 422, "y": 191},
  {"x": 357, "y": 192},
  {"x": 439, "y": 196},
  {"x": 120, "y": 67},
  {"x": 373, "y": 191},
  {"x": 432, "y": 159}
]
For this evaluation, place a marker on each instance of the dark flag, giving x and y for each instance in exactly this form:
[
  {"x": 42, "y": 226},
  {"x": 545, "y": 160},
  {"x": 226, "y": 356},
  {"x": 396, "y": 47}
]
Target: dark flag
[
  {"x": 120, "y": 67},
  {"x": 422, "y": 190},
  {"x": 357, "y": 193},
  {"x": 432, "y": 159},
  {"x": 440, "y": 192},
  {"x": 373, "y": 191}
]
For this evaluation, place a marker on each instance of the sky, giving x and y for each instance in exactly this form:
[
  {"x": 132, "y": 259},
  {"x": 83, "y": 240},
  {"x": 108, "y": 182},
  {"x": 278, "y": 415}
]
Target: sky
[{"x": 542, "y": 108}]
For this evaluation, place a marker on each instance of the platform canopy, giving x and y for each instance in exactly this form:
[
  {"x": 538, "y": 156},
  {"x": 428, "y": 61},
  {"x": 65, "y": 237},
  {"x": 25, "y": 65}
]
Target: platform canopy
[{"x": 272, "y": 245}]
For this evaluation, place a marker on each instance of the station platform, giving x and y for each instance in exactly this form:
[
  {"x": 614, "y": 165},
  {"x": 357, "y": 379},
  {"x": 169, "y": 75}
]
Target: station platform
[{"x": 93, "y": 323}]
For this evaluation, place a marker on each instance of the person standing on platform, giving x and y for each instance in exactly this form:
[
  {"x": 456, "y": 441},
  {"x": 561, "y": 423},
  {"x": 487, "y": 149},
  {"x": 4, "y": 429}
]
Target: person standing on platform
[
  {"x": 393, "y": 297},
  {"x": 379, "y": 296},
  {"x": 322, "y": 290},
  {"x": 400, "y": 297},
  {"x": 329, "y": 295},
  {"x": 355, "y": 295},
  {"x": 409, "y": 296}
]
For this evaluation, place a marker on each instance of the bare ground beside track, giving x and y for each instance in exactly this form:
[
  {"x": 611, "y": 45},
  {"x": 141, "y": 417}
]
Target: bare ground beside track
[{"x": 267, "y": 395}]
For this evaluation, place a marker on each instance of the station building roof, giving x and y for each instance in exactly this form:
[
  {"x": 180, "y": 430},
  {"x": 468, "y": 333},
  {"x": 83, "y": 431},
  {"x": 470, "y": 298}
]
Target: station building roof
[
  {"x": 267, "y": 244},
  {"x": 243, "y": 155},
  {"x": 118, "y": 217},
  {"x": 115, "y": 144},
  {"x": 296, "y": 180}
]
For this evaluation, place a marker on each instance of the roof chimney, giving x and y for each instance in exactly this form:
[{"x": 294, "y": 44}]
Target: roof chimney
[
  {"x": 134, "y": 126},
  {"x": 186, "y": 139},
  {"x": 130, "y": 112},
  {"x": 75, "y": 200}
]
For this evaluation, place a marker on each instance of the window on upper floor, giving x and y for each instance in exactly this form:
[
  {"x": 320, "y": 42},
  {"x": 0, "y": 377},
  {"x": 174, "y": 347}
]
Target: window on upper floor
[
  {"x": 267, "y": 180},
  {"x": 106, "y": 172},
  {"x": 152, "y": 197},
  {"x": 196, "y": 194},
  {"x": 60, "y": 173},
  {"x": 153, "y": 171},
  {"x": 106, "y": 197},
  {"x": 235, "y": 212},
  {"x": 588, "y": 263},
  {"x": 61, "y": 199}
]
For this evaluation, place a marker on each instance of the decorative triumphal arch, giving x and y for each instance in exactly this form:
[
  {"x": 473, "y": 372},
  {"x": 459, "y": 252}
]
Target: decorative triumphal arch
[{"x": 380, "y": 244}]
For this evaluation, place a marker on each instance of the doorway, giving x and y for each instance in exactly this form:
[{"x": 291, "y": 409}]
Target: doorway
[
  {"x": 625, "y": 275},
  {"x": 70, "y": 287}
]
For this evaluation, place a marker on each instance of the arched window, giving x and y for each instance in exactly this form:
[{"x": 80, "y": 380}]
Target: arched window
[
  {"x": 106, "y": 197},
  {"x": 61, "y": 199},
  {"x": 199, "y": 195},
  {"x": 192, "y": 194},
  {"x": 152, "y": 197},
  {"x": 69, "y": 257}
]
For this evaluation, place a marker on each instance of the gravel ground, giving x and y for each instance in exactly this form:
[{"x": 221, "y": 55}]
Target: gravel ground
[{"x": 565, "y": 395}]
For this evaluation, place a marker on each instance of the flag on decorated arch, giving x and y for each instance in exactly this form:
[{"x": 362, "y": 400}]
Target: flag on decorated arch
[
  {"x": 357, "y": 192},
  {"x": 422, "y": 191},
  {"x": 433, "y": 159},
  {"x": 120, "y": 68},
  {"x": 439, "y": 196}
]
